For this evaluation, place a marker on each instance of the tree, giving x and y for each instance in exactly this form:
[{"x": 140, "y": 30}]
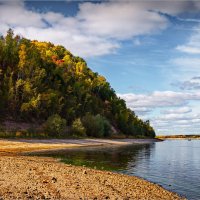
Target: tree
[
  {"x": 55, "y": 125},
  {"x": 96, "y": 126},
  {"x": 77, "y": 128},
  {"x": 40, "y": 81}
]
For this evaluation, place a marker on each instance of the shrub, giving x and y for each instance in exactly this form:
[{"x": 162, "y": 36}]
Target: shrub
[
  {"x": 1, "y": 128},
  {"x": 55, "y": 125},
  {"x": 19, "y": 134},
  {"x": 96, "y": 126},
  {"x": 6, "y": 134},
  {"x": 107, "y": 128},
  {"x": 93, "y": 127},
  {"x": 77, "y": 128},
  {"x": 31, "y": 131}
]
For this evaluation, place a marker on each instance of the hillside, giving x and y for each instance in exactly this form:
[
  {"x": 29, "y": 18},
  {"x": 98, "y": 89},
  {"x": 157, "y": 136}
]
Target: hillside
[{"x": 45, "y": 84}]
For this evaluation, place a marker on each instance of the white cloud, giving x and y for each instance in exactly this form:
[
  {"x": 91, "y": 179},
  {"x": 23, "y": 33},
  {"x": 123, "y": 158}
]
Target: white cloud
[
  {"x": 159, "y": 99},
  {"x": 193, "y": 44},
  {"x": 177, "y": 110},
  {"x": 189, "y": 49},
  {"x": 192, "y": 84},
  {"x": 54, "y": 18},
  {"x": 186, "y": 63},
  {"x": 119, "y": 20},
  {"x": 53, "y": 27},
  {"x": 97, "y": 28},
  {"x": 177, "y": 123},
  {"x": 79, "y": 44},
  {"x": 142, "y": 111},
  {"x": 177, "y": 118},
  {"x": 14, "y": 14}
]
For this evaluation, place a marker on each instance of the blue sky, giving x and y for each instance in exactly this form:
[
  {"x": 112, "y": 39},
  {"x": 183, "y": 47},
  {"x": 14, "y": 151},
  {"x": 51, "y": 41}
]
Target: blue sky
[{"x": 149, "y": 51}]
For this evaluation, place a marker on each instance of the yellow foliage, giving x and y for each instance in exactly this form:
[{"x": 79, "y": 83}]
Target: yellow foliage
[
  {"x": 19, "y": 83},
  {"x": 80, "y": 66},
  {"x": 42, "y": 47},
  {"x": 18, "y": 134},
  {"x": 22, "y": 56},
  {"x": 49, "y": 53},
  {"x": 35, "y": 102},
  {"x": 27, "y": 87},
  {"x": 101, "y": 79},
  {"x": 25, "y": 107},
  {"x": 68, "y": 60}
]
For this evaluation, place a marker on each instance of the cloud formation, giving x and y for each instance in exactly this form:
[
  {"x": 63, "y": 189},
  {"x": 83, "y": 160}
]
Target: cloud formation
[
  {"x": 192, "y": 84},
  {"x": 174, "y": 111},
  {"x": 159, "y": 99},
  {"x": 96, "y": 29},
  {"x": 192, "y": 46},
  {"x": 177, "y": 123},
  {"x": 186, "y": 63},
  {"x": 119, "y": 20},
  {"x": 181, "y": 110}
]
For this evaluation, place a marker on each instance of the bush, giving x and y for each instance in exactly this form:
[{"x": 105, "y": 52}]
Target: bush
[
  {"x": 55, "y": 125},
  {"x": 107, "y": 128},
  {"x": 20, "y": 134},
  {"x": 6, "y": 134},
  {"x": 77, "y": 128},
  {"x": 31, "y": 131},
  {"x": 93, "y": 126},
  {"x": 96, "y": 126},
  {"x": 2, "y": 129}
]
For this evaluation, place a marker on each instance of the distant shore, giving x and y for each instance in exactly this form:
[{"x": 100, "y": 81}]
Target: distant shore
[
  {"x": 178, "y": 137},
  {"x": 26, "y": 177}
]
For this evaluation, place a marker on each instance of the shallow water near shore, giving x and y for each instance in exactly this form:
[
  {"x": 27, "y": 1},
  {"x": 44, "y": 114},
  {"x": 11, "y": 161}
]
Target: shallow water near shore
[{"x": 173, "y": 164}]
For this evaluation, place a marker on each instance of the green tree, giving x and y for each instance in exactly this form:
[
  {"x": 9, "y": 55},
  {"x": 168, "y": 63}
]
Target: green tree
[
  {"x": 77, "y": 128},
  {"x": 55, "y": 125},
  {"x": 96, "y": 126}
]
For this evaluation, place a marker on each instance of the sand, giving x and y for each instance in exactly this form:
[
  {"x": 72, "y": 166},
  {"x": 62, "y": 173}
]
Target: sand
[{"x": 27, "y": 145}]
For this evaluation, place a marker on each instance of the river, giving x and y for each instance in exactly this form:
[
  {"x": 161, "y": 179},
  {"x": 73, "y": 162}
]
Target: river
[{"x": 173, "y": 164}]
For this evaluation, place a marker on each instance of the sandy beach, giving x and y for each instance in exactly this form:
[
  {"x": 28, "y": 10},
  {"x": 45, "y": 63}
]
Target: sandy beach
[
  {"x": 13, "y": 146},
  {"x": 24, "y": 177}
]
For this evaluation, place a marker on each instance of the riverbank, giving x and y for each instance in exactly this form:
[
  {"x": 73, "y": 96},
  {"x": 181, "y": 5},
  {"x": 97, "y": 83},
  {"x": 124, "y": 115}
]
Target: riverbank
[
  {"x": 44, "y": 178},
  {"x": 26, "y": 177},
  {"x": 177, "y": 137},
  {"x": 16, "y": 146}
]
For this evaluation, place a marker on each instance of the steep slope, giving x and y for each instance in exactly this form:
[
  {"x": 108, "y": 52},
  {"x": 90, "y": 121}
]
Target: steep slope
[{"x": 39, "y": 79}]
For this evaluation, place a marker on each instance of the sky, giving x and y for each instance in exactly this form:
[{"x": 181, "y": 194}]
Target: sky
[{"x": 148, "y": 50}]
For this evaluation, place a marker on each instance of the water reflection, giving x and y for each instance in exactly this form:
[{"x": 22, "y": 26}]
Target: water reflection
[{"x": 108, "y": 158}]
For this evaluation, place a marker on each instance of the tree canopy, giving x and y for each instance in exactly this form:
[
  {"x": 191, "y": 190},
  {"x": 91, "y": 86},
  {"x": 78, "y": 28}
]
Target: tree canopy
[{"x": 40, "y": 79}]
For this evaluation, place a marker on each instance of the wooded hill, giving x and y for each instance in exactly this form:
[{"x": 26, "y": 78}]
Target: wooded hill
[{"x": 44, "y": 83}]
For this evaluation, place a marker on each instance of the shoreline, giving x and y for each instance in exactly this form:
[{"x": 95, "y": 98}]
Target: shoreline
[
  {"x": 179, "y": 138},
  {"x": 17, "y": 146},
  {"x": 47, "y": 178}
]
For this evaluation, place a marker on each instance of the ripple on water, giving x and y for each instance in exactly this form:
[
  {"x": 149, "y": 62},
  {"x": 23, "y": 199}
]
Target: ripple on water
[{"x": 173, "y": 164}]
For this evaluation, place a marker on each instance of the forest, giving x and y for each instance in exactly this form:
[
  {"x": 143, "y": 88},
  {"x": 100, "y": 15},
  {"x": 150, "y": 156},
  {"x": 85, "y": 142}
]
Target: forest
[{"x": 42, "y": 83}]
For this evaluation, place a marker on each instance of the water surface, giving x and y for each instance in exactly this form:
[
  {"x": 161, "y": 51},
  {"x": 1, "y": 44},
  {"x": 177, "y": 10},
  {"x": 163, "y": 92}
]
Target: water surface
[{"x": 173, "y": 164}]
